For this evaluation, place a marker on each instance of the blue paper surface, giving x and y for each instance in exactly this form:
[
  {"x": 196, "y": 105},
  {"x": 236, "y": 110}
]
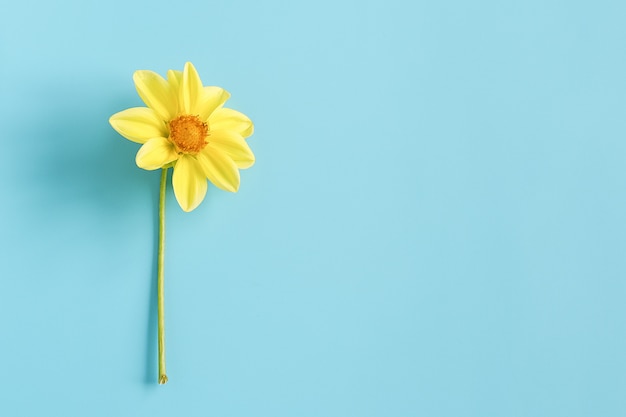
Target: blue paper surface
[{"x": 434, "y": 225}]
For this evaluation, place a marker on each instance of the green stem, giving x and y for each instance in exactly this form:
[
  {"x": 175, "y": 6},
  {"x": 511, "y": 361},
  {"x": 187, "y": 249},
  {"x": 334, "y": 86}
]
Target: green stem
[{"x": 160, "y": 286}]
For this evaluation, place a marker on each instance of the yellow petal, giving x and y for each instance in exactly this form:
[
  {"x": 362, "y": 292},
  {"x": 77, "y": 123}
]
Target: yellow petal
[
  {"x": 155, "y": 153},
  {"x": 229, "y": 119},
  {"x": 189, "y": 183},
  {"x": 174, "y": 79},
  {"x": 156, "y": 93},
  {"x": 138, "y": 124},
  {"x": 212, "y": 98},
  {"x": 190, "y": 90},
  {"x": 233, "y": 145},
  {"x": 219, "y": 168}
]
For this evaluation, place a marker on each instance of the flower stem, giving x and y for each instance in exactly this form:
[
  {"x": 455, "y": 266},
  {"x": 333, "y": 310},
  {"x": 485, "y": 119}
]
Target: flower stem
[{"x": 160, "y": 286}]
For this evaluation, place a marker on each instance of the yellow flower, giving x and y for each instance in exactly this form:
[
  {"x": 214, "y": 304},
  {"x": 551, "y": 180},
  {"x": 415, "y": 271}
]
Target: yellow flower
[{"x": 186, "y": 125}]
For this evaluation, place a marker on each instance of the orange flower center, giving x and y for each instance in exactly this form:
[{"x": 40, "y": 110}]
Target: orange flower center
[{"x": 188, "y": 133}]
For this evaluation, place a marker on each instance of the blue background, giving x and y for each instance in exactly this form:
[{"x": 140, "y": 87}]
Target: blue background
[{"x": 434, "y": 225}]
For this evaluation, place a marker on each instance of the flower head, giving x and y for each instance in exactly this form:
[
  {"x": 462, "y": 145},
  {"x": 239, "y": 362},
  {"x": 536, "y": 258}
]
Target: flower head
[{"x": 186, "y": 126}]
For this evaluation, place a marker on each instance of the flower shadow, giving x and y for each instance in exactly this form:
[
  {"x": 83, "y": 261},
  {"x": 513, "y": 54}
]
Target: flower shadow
[
  {"x": 86, "y": 164},
  {"x": 83, "y": 177}
]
